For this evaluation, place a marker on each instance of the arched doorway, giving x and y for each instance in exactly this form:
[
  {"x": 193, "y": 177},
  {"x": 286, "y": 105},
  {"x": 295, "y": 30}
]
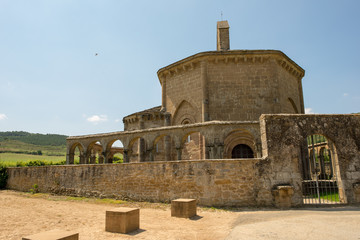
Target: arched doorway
[
  {"x": 321, "y": 177},
  {"x": 240, "y": 143},
  {"x": 242, "y": 151}
]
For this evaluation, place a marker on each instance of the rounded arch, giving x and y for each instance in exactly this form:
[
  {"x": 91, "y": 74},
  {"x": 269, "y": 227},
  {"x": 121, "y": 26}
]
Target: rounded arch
[
  {"x": 242, "y": 151},
  {"x": 184, "y": 112},
  {"x": 115, "y": 151},
  {"x": 72, "y": 152},
  {"x": 163, "y": 148},
  {"x": 238, "y": 137},
  {"x": 94, "y": 152},
  {"x": 76, "y": 145},
  {"x": 193, "y": 146},
  {"x": 137, "y": 149},
  {"x": 321, "y": 172},
  {"x": 111, "y": 143}
]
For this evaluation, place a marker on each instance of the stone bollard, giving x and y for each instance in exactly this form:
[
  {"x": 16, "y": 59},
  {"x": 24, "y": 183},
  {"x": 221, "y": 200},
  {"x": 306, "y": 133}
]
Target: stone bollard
[
  {"x": 54, "y": 235},
  {"x": 356, "y": 187},
  {"x": 184, "y": 208},
  {"x": 283, "y": 195},
  {"x": 122, "y": 220}
]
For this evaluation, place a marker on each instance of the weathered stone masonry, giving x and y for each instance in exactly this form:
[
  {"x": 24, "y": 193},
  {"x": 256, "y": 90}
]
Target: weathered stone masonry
[{"x": 225, "y": 182}]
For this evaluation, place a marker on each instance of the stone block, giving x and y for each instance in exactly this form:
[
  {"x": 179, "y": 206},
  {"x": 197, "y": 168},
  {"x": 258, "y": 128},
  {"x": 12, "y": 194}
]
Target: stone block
[
  {"x": 184, "y": 208},
  {"x": 283, "y": 195},
  {"x": 54, "y": 235},
  {"x": 357, "y": 192},
  {"x": 122, "y": 220}
]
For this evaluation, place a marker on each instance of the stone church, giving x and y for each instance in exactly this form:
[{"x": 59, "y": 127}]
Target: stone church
[
  {"x": 224, "y": 85},
  {"x": 230, "y": 131}
]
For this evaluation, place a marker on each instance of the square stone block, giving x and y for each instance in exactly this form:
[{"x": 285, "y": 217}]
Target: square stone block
[
  {"x": 185, "y": 208},
  {"x": 122, "y": 220},
  {"x": 54, "y": 235}
]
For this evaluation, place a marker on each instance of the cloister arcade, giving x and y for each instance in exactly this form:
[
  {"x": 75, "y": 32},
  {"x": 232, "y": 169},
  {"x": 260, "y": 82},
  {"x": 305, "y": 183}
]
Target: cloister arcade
[{"x": 209, "y": 140}]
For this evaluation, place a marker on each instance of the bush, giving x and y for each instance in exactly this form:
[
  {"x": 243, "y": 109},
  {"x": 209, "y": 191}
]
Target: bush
[
  {"x": 31, "y": 163},
  {"x": 116, "y": 159},
  {"x": 3, "y": 176}
]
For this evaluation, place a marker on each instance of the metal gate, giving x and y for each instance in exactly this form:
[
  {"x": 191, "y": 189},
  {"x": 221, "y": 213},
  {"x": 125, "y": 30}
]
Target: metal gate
[{"x": 319, "y": 183}]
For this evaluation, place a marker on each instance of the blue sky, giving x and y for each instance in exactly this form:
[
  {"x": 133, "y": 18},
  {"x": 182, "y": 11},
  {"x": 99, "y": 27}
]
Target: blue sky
[{"x": 51, "y": 81}]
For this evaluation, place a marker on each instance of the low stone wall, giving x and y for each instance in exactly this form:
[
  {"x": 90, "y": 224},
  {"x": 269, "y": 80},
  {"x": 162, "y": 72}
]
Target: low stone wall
[{"x": 211, "y": 182}]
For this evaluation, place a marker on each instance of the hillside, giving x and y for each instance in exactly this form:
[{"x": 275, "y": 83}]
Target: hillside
[
  {"x": 34, "y": 138},
  {"x": 18, "y": 147}
]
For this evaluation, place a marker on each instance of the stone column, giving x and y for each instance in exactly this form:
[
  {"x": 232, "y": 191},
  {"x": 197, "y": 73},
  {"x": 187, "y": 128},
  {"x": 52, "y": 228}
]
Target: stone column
[
  {"x": 167, "y": 119},
  {"x": 167, "y": 145},
  {"x": 70, "y": 158},
  {"x": 205, "y": 92},
  {"x": 101, "y": 158},
  {"x": 220, "y": 151},
  {"x": 106, "y": 157},
  {"x": 179, "y": 152},
  {"x": 82, "y": 158},
  {"x": 151, "y": 154},
  {"x": 92, "y": 159},
  {"x": 207, "y": 152},
  {"x": 141, "y": 150},
  {"x": 163, "y": 93},
  {"x": 126, "y": 156},
  {"x": 212, "y": 151}
]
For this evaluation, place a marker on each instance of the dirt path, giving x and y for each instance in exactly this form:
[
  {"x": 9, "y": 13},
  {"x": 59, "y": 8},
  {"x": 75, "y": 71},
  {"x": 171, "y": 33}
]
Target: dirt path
[{"x": 23, "y": 214}]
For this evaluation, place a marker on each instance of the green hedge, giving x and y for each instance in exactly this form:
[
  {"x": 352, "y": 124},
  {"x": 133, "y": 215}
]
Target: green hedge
[{"x": 3, "y": 176}]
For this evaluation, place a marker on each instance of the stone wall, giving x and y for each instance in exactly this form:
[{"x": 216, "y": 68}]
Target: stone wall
[
  {"x": 283, "y": 138},
  {"x": 225, "y": 182},
  {"x": 231, "y": 86},
  {"x": 184, "y": 95},
  {"x": 211, "y": 182}
]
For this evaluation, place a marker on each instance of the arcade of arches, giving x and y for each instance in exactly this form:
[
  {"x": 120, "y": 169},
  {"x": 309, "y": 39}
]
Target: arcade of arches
[{"x": 210, "y": 140}]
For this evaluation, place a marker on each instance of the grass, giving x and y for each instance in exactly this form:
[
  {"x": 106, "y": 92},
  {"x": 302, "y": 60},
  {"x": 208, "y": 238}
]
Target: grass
[
  {"x": 334, "y": 197},
  {"x": 14, "y": 145},
  {"x": 10, "y": 159},
  {"x": 103, "y": 201}
]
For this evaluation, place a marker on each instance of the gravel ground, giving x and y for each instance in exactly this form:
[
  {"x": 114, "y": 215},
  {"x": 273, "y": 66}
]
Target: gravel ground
[{"x": 24, "y": 214}]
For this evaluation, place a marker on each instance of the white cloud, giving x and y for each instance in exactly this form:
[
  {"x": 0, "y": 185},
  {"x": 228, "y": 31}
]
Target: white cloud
[
  {"x": 117, "y": 120},
  {"x": 3, "y": 116},
  {"x": 309, "y": 111},
  {"x": 346, "y": 94},
  {"x": 97, "y": 118}
]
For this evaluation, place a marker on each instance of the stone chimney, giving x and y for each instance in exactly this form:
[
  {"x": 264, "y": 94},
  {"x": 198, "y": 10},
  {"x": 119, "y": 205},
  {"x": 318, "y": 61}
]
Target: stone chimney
[{"x": 223, "y": 41}]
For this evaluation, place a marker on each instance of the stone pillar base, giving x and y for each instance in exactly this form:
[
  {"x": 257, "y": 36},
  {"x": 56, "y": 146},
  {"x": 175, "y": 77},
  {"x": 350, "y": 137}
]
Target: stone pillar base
[
  {"x": 283, "y": 195},
  {"x": 184, "y": 208},
  {"x": 54, "y": 235},
  {"x": 122, "y": 220},
  {"x": 357, "y": 192}
]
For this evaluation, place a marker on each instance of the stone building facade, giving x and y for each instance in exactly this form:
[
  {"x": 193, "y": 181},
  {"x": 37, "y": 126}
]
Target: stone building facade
[
  {"x": 223, "y": 86},
  {"x": 230, "y": 131}
]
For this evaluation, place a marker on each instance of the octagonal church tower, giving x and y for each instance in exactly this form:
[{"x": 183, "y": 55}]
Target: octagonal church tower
[{"x": 224, "y": 85}]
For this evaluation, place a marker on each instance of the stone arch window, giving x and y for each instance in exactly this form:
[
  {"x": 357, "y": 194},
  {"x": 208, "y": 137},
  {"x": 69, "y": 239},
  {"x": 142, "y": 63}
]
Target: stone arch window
[
  {"x": 242, "y": 151},
  {"x": 193, "y": 146},
  {"x": 94, "y": 153},
  {"x": 163, "y": 148},
  {"x": 185, "y": 121},
  {"x": 76, "y": 154},
  {"x": 239, "y": 137}
]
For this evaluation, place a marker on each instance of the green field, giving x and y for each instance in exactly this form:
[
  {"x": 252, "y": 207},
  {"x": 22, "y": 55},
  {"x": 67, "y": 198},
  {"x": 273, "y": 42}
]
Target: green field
[
  {"x": 16, "y": 151},
  {"x": 15, "y": 145},
  {"x": 10, "y": 159}
]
